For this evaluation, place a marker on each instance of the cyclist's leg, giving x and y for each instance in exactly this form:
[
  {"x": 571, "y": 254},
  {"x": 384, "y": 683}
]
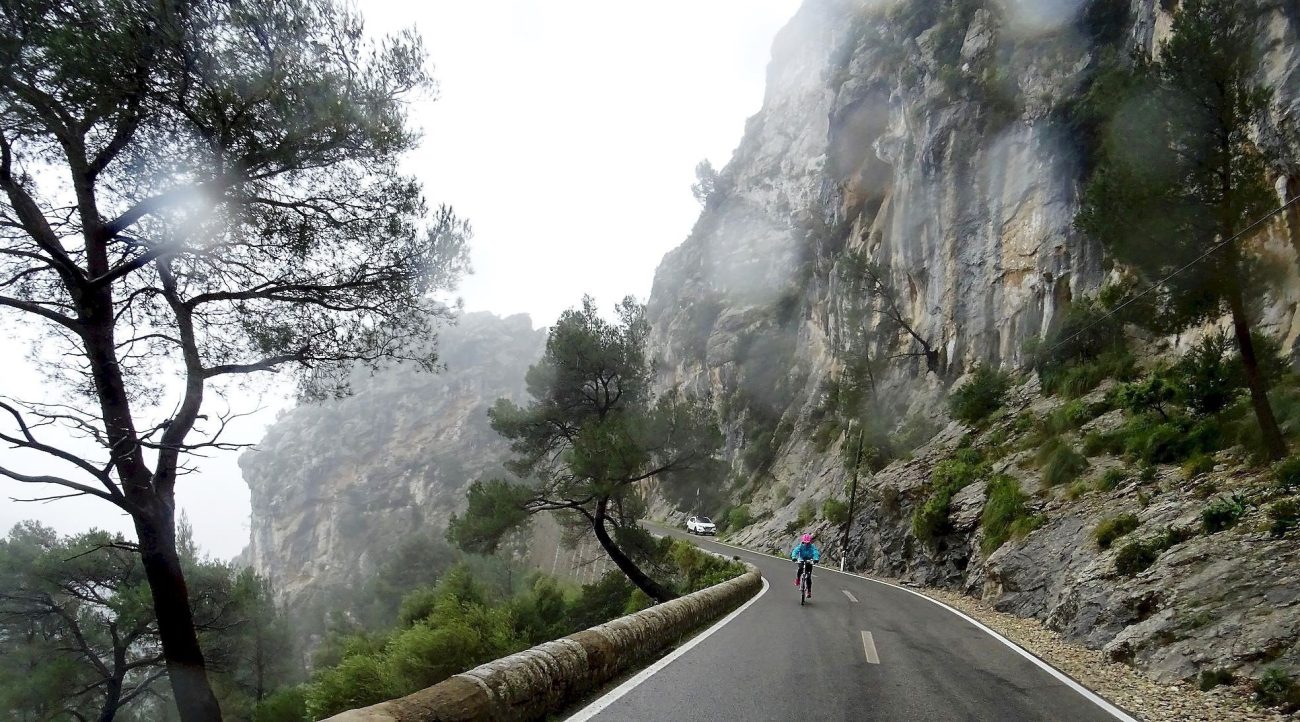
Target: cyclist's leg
[{"x": 810, "y": 580}]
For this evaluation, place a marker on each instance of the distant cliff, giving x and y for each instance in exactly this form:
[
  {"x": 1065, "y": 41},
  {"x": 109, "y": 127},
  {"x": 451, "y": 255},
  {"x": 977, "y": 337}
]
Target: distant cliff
[{"x": 337, "y": 485}]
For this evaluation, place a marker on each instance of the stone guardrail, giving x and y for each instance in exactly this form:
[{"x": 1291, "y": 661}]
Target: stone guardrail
[{"x": 530, "y": 684}]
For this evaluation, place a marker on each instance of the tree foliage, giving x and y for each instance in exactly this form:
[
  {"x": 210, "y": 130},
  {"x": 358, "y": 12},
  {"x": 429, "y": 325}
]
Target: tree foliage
[
  {"x": 209, "y": 188},
  {"x": 1179, "y": 178},
  {"x": 78, "y": 636},
  {"x": 592, "y": 436}
]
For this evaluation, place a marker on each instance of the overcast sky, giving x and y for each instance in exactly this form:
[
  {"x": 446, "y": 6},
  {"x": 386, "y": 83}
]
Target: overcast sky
[{"x": 567, "y": 131}]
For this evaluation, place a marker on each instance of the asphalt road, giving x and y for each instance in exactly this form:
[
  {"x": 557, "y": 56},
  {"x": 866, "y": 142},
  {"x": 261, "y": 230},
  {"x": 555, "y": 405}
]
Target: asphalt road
[{"x": 778, "y": 661}]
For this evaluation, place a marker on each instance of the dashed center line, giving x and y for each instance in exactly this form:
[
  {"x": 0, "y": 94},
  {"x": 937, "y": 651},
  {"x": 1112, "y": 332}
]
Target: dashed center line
[
  {"x": 869, "y": 646},
  {"x": 849, "y": 594}
]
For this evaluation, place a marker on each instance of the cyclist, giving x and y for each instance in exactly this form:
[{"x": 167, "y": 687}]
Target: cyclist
[{"x": 804, "y": 551}]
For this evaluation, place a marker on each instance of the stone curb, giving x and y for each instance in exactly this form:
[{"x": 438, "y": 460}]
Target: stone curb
[{"x": 530, "y": 684}]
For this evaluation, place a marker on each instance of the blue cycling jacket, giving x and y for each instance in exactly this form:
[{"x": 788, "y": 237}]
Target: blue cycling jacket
[{"x": 805, "y": 552}]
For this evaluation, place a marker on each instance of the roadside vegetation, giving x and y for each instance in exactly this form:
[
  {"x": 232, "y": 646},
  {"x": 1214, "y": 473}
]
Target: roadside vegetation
[{"x": 467, "y": 618}]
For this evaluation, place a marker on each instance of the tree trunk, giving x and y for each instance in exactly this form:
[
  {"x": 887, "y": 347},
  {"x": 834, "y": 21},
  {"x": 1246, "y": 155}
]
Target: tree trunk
[
  {"x": 113, "y": 685},
  {"x": 653, "y": 589},
  {"x": 1274, "y": 444},
  {"x": 171, "y": 601}
]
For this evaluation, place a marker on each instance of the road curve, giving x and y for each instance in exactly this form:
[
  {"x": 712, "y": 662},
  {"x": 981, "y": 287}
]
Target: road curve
[{"x": 777, "y": 661}]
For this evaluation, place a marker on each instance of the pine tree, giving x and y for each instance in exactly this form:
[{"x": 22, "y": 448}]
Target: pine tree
[{"x": 1179, "y": 178}]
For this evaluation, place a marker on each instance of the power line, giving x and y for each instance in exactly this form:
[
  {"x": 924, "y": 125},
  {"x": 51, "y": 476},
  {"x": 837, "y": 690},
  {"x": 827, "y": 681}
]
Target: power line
[{"x": 1164, "y": 280}]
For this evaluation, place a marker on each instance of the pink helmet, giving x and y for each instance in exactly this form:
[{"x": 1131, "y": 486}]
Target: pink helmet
[{"x": 806, "y": 539}]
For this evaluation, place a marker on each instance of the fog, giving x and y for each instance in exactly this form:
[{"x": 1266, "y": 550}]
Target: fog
[{"x": 567, "y": 133}]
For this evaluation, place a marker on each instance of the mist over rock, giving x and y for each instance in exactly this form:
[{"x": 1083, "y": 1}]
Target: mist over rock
[{"x": 338, "y": 485}]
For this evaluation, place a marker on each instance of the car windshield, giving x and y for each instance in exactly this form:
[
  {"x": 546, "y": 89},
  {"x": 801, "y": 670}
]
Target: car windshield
[{"x": 705, "y": 520}]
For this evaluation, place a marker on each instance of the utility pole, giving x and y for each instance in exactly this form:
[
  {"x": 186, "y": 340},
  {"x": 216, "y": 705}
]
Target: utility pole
[{"x": 853, "y": 497}]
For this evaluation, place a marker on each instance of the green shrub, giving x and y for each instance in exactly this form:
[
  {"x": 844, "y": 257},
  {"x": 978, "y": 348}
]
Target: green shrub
[
  {"x": 1160, "y": 441},
  {"x": 1004, "y": 506},
  {"x": 1077, "y": 380},
  {"x": 930, "y": 520},
  {"x": 1209, "y": 378},
  {"x": 1287, "y": 473},
  {"x": 1113, "y": 477},
  {"x": 1060, "y": 463},
  {"x": 1275, "y": 688},
  {"x": 807, "y": 513},
  {"x": 739, "y": 517},
  {"x": 357, "y": 681},
  {"x": 1112, "y": 528},
  {"x": 1095, "y": 444},
  {"x": 1138, "y": 555},
  {"x": 1170, "y": 537},
  {"x": 1025, "y": 524},
  {"x": 1135, "y": 557},
  {"x": 835, "y": 511},
  {"x": 1153, "y": 393},
  {"x": 1086, "y": 347},
  {"x": 285, "y": 705},
  {"x": 1285, "y": 515},
  {"x": 978, "y": 398},
  {"x": 1199, "y": 463},
  {"x": 1068, "y": 417},
  {"x": 1222, "y": 514},
  {"x": 1211, "y": 678}
]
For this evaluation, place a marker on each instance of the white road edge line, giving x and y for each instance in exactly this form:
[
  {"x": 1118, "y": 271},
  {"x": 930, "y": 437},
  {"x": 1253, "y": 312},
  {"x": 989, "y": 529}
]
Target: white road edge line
[
  {"x": 849, "y": 594},
  {"x": 1065, "y": 679},
  {"x": 613, "y": 695}
]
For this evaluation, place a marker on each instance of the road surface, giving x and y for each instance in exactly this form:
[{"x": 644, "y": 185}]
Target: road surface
[{"x": 861, "y": 650}]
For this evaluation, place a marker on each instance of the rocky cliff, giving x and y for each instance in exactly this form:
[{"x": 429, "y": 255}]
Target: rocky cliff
[
  {"x": 942, "y": 147},
  {"x": 337, "y": 485}
]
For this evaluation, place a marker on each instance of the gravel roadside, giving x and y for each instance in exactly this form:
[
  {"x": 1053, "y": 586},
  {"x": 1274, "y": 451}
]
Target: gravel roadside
[{"x": 1123, "y": 685}]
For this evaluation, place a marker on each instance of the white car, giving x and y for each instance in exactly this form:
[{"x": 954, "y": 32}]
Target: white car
[{"x": 701, "y": 525}]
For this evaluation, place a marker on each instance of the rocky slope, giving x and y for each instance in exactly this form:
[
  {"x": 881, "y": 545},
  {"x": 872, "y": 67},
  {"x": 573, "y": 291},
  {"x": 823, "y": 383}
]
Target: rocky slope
[
  {"x": 337, "y": 485},
  {"x": 940, "y": 142}
]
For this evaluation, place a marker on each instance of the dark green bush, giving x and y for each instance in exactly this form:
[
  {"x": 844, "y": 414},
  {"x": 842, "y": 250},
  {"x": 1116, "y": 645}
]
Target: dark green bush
[
  {"x": 285, "y": 705},
  {"x": 979, "y": 397},
  {"x": 1199, "y": 463},
  {"x": 1111, "y": 479},
  {"x": 1159, "y": 441},
  {"x": 1285, "y": 515},
  {"x": 739, "y": 517},
  {"x": 1211, "y": 678},
  {"x": 835, "y": 511},
  {"x": 807, "y": 513},
  {"x": 1209, "y": 378},
  {"x": 1153, "y": 393},
  {"x": 930, "y": 520},
  {"x": 1135, "y": 557},
  {"x": 1275, "y": 688},
  {"x": 1287, "y": 473},
  {"x": 1021, "y": 527},
  {"x": 1060, "y": 463},
  {"x": 1083, "y": 337},
  {"x": 1112, "y": 528},
  {"x": 1222, "y": 514},
  {"x": 1004, "y": 506},
  {"x": 1138, "y": 555}
]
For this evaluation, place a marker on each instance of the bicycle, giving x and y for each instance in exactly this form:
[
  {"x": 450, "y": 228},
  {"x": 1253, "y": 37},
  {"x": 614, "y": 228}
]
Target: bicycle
[{"x": 805, "y": 579}]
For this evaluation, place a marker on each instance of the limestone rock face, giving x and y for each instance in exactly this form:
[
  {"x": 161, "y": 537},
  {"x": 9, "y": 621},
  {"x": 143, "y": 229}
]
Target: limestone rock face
[
  {"x": 937, "y": 141},
  {"x": 336, "y": 486}
]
